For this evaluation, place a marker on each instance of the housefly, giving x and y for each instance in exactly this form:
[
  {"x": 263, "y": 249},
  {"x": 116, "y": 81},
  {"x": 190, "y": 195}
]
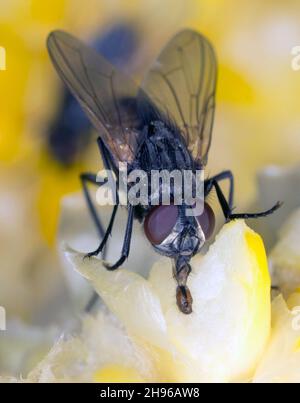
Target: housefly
[
  {"x": 163, "y": 124},
  {"x": 71, "y": 131}
]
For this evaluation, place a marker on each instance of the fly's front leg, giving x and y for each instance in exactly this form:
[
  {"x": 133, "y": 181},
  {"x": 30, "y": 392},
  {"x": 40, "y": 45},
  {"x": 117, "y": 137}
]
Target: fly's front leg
[
  {"x": 107, "y": 161},
  {"x": 104, "y": 235},
  {"x": 105, "y": 155},
  {"x": 92, "y": 178},
  {"x": 108, "y": 230},
  {"x": 127, "y": 241},
  {"x": 87, "y": 178}
]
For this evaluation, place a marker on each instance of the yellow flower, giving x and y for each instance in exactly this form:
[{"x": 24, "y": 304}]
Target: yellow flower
[
  {"x": 222, "y": 340},
  {"x": 139, "y": 335}
]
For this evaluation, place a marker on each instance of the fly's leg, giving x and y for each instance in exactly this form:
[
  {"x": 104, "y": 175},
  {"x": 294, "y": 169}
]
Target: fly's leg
[
  {"x": 92, "y": 178},
  {"x": 226, "y": 175},
  {"x": 106, "y": 235},
  {"x": 105, "y": 155},
  {"x": 107, "y": 161},
  {"x": 246, "y": 216},
  {"x": 85, "y": 179},
  {"x": 127, "y": 241},
  {"x": 92, "y": 302},
  {"x": 227, "y": 210}
]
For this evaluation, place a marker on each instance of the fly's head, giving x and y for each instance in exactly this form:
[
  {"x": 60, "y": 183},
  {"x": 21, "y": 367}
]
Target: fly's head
[
  {"x": 180, "y": 237},
  {"x": 175, "y": 234}
]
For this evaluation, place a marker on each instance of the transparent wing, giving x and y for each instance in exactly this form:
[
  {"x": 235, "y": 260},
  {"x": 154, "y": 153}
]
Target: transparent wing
[
  {"x": 107, "y": 96},
  {"x": 182, "y": 84}
]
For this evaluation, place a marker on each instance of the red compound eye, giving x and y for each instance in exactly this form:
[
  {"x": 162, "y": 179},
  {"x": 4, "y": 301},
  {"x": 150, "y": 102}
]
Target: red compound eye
[
  {"x": 160, "y": 222},
  {"x": 207, "y": 221}
]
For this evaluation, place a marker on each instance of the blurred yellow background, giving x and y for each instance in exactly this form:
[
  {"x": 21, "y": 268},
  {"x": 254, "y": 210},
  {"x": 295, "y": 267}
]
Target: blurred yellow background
[{"x": 257, "y": 119}]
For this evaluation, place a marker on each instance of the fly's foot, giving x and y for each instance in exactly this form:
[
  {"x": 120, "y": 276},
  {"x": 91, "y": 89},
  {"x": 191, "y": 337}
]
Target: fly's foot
[
  {"x": 112, "y": 267},
  {"x": 91, "y": 254}
]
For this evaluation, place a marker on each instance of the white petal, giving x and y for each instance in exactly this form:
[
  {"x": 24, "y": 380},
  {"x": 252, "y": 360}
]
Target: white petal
[
  {"x": 281, "y": 361},
  {"x": 229, "y": 327},
  {"x": 128, "y": 295}
]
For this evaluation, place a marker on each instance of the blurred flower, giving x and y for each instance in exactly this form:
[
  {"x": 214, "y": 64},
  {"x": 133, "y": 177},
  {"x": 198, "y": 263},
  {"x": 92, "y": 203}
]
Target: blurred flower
[
  {"x": 22, "y": 347},
  {"x": 29, "y": 273},
  {"x": 257, "y": 118},
  {"x": 277, "y": 183},
  {"x": 78, "y": 359},
  {"x": 23, "y": 30},
  {"x": 281, "y": 230}
]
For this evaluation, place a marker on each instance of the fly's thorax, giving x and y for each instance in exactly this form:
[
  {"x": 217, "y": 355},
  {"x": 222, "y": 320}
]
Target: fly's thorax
[{"x": 164, "y": 148}]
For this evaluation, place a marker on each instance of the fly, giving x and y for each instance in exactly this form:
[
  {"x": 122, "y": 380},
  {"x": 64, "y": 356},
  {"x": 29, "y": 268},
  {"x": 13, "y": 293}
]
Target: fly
[{"x": 165, "y": 123}]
